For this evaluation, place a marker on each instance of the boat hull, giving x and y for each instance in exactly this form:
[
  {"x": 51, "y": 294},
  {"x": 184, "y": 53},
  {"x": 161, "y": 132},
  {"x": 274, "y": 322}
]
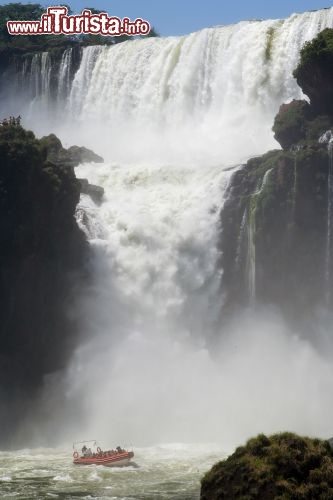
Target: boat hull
[{"x": 117, "y": 460}]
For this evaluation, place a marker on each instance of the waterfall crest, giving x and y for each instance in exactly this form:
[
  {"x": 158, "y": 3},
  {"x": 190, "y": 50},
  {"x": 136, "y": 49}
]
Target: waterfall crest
[{"x": 203, "y": 93}]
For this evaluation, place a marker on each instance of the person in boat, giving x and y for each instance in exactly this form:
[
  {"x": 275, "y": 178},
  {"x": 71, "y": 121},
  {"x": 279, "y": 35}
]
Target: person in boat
[
  {"x": 84, "y": 450},
  {"x": 119, "y": 450}
]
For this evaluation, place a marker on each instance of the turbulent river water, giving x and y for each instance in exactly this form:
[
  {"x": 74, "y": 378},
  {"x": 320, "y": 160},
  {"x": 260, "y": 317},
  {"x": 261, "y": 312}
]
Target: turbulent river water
[{"x": 163, "y": 472}]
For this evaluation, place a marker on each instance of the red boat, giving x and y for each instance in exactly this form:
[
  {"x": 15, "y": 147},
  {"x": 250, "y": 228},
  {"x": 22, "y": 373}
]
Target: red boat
[{"x": 94, "y": 455}]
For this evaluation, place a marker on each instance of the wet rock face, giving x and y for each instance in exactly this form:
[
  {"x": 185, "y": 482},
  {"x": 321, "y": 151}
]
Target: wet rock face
[{"x": 274, "y": 231}]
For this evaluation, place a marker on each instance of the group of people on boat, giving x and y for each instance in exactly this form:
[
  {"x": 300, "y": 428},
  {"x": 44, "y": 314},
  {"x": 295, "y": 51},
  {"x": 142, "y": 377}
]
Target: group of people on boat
[{"x": 87, "y": 453}]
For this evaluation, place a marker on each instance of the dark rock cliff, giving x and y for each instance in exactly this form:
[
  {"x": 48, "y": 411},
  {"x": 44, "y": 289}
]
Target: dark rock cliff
[{"x": 42, "y": 263}]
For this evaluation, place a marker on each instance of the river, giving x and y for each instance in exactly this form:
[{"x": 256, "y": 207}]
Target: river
[{"x": 162, "y": 472}]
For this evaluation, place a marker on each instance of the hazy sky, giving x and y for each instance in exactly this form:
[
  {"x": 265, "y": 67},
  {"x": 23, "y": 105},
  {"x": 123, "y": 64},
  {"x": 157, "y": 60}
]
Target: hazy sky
[{"x": 176, "y": 17}]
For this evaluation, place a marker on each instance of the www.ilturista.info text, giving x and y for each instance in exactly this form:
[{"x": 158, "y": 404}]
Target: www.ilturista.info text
[{"x": 56, "y": 21}]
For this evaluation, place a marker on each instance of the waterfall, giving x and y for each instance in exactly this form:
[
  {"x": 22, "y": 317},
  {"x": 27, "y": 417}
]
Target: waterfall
[
  {"x": 80, "y": 85},
  {"x": 156, "y": 97},
  {"x": 155, "y": 237},
  {"x": 329, "y": 219},
  {"x": 41, "y": 75},
  {"x": 35, "y": 76},
  {"x": 327, "y": 138},
  {"x": 65, "y": 73},
  {"x": 251, "y": 255},
  {"x": 197, "y": 92},
  {"x": 242, "y": 236},
  {"x": 251, "y": 238},
  {"x": 46, "y": 75}
]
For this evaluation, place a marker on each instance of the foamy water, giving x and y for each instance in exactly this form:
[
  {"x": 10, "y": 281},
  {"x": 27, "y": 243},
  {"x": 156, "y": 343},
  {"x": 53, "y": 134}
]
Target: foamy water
[{"x": 163, "y": 472}]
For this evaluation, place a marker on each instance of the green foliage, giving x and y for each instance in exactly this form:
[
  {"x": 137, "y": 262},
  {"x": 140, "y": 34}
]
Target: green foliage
[
  {"x": 266, "y": 468},
  {"x": 317, "y": 48}
]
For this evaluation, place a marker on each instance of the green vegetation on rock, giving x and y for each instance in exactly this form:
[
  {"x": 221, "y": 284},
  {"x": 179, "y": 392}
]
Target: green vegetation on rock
[
  {"x": 314, "y": 73},
  {"x": 290, "y": 123},
  {"x": 280, "y": 467},
  {"x": 316, "y": 50}
]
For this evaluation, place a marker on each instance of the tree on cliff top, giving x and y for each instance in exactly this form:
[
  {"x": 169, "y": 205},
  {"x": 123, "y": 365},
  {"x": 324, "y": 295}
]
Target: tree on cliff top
[{"x": 283, "y": 466}]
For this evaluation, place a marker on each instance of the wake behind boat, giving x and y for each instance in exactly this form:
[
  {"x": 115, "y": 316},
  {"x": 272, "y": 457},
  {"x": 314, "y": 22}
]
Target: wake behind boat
[{"x": 92, "y": 454}]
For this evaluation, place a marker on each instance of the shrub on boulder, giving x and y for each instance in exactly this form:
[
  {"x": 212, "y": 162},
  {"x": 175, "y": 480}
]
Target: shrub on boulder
[
  {"x": 314, "y": 73},
  {"x": 282, "y": 466}
]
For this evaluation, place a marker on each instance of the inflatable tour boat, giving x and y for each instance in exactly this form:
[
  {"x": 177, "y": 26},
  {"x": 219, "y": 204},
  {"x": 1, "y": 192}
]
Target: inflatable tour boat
[{"x": 92, "y": 454}]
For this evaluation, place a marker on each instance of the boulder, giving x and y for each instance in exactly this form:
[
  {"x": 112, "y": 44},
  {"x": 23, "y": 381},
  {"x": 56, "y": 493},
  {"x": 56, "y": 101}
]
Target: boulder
[
  {"x": 290, "y": 124},
  {"x": 56, "y": 154},
  {"x": 84, "y": 155},
  {"x": 283, "y": 466}
]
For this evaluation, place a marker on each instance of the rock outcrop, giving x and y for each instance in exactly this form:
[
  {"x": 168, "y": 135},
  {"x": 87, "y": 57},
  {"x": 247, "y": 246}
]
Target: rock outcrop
[
  {"x": 267, "y": 468},
  {"x": 57, "y": 155},
  {"x": 95, "y": 192}
]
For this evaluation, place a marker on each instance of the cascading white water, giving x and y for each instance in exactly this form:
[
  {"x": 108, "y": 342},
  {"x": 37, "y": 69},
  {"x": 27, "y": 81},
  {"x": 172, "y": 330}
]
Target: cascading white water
[
  {"x": 329, "y": 219},
  {"x": 327, "y": 138},
  {"x": 65, "y": 70},
  {"x": 37, "y": 77},
  {"x": 251, "y": 239},
  {"x": 188, "y": 99},
  {"x": 157, "y": 228},
  {"x": 82, "y": 79}
]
